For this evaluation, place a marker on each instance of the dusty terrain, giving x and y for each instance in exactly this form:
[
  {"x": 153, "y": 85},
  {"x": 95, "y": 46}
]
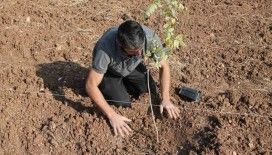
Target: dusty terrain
[{"x": 45, "y": 53}]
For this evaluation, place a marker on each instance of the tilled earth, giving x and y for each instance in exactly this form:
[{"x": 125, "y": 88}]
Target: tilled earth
[{"x": 45, "y": 54}]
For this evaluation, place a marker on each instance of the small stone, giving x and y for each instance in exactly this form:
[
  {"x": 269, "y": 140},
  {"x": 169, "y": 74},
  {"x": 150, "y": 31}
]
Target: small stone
[
  {"x": 226, "y": 104},
  {"x": 212, "y": 35},
  {"x": 234, "y": 153},
  {"x": 85, "y": 114},
  {"x": 220, "y": 98},
  {"x": 42, "y": 90},
  {"x": 59, "y": 79},
  {"x": 230, "y": 121},
  {"x": 53, "y": 142},
  {"x": 28, "y": 19},
  {"x": 59, "y": 47},
  {"x": 52, "y": 126},
  {"x": 251, "y": 145}
]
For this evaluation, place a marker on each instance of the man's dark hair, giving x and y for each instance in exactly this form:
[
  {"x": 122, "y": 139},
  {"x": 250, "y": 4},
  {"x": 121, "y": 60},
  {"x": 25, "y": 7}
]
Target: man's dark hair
[{"x": 131, "y": 35}]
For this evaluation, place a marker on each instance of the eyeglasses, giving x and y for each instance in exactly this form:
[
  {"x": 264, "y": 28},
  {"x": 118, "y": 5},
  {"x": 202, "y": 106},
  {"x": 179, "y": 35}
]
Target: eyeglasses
[
  {"x": 131, "y": 52},
  {"x": 134, "y": 51}
]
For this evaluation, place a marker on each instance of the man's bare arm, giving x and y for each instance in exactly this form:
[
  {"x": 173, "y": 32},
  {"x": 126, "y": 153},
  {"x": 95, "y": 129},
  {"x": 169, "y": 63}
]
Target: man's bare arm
[
  {"x": 93, "y": 80},
  {"x": 172, "y": 110},
  {"x": 117, "y": 121},
  {"x": 165, "y": 80}
]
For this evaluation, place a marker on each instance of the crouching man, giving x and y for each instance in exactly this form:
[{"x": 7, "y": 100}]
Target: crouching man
[{"x": 117, "y": 71}]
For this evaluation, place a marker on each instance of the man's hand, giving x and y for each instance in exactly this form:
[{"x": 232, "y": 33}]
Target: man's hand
[
  {"x": 172, "y": 110},
  {"x": 119, "y": 126}
]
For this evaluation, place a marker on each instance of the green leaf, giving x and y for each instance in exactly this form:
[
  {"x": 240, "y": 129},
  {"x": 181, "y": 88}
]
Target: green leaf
[
  {"x": 176, "y": 44},
  {"x": 181, "y": 7},
  {"x": 167, "y": 18},
  {"x": 166, "y": 50},
  {"x": 148, "y": 53},
  {"x": 163, "y": 53},
  {"x": 179, "y": 38},
  {"x": 175, "y": 4},
  {"x": 168, "y": 2},
  {"x": 167, "y": 40},
  {"x": 173, "y": 21},
  {"x": 182, "y": 43},
  {"x": 165, "y": 26},
  {"x": 171, "y": 29},
  {"x": 167, "y": 13},
  {"x": 173, "y": 12},
  {"x": 157, "y": 65},
  {"x": 151, "y": 9}
]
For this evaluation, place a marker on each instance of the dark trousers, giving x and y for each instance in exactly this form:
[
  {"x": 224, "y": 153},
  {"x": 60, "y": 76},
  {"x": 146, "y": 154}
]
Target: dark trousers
[{"x": 117, "y": 89}]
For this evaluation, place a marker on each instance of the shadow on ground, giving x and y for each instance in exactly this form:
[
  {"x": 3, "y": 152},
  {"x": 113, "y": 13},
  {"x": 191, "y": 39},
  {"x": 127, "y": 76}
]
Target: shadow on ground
[{"x": 60, "y": 75}]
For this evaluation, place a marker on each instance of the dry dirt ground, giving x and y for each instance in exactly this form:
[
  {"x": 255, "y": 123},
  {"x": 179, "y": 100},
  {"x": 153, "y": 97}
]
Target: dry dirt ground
[{"x": 45, "y": 53}]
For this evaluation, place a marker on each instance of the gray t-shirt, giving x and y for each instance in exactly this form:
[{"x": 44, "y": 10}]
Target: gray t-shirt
[{"x": 108, "y": 56}]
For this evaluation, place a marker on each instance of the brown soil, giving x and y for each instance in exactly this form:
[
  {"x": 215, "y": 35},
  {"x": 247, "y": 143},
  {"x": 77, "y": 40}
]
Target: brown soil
[{"x": 45, "y": 49}]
